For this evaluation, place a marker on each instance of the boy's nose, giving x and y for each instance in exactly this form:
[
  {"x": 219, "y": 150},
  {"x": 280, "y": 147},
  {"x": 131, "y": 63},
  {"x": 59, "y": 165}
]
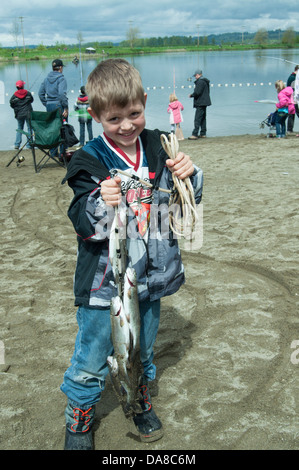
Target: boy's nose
[{"x": 126, "y": 124}]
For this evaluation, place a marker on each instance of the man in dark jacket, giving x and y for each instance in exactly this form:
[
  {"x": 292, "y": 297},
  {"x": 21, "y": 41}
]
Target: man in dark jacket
[
  {"x": 291, "y": 82},
  {"x": 201, "y": 99},
  {"x": 21, "y": 103}
]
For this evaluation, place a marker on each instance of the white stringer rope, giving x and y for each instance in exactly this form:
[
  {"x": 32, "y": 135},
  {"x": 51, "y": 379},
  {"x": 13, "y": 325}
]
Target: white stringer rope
[
  {"x": 182, "y": 214},
  {"x": 182, "y": 195}
]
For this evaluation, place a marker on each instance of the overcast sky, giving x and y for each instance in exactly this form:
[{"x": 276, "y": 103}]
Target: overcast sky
[{"x": 50, "y": 21}]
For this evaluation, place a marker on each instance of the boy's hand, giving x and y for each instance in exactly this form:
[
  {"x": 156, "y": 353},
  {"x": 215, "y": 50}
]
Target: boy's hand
[
  {"x": 182, "y": 166},
  {"x": 111, "y": 192}
]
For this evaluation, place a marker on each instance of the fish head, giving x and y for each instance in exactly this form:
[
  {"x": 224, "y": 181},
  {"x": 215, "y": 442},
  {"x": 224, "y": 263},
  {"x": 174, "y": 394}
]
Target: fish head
[
  {"x": 131, "y": 277},
  {"x": 116, "y": 306}
]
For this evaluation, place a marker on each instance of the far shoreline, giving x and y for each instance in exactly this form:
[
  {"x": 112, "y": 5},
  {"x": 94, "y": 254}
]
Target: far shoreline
[{"x": 200, "y": 142}]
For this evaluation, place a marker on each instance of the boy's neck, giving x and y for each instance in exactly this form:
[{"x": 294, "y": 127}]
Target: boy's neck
[{"x": 131, "y": 153}]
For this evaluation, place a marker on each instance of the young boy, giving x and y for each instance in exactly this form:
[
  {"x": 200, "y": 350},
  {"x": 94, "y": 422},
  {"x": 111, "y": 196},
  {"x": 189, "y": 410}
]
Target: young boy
[
  {"x": 117, "y": 101},
  {"x": 84, "y": 119}
]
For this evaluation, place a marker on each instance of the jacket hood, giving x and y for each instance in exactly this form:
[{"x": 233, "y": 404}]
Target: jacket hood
[
  {"x": 21, "y": 93},
  {"x": 174, "y": 105},
  {"x": 54, "y": 76},
  {"x": 288, "y": 91},
  {"x": 83, "y": 98},
  {"x": 203, "y": 78}
]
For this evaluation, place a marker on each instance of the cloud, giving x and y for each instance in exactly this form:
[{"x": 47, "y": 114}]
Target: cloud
[{"x": 56, "y": 21}]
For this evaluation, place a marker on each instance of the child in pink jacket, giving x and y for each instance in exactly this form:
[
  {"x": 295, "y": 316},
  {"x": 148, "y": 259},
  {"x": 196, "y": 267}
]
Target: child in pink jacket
[
  {"x": 174, "y": 109},
  {"x": 285, "y": 106}
]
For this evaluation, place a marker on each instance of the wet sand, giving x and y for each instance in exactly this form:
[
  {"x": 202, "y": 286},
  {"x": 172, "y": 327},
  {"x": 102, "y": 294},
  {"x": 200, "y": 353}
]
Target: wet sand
[{"x": 227, "y": 371}]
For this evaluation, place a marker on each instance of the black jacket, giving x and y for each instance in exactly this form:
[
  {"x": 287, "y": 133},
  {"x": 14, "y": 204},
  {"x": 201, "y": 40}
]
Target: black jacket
[
  {"x": 201, "y": 94},
  {"x": 21, "y": 103}
]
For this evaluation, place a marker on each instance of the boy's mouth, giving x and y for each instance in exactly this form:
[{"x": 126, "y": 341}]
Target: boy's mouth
[{"x": 127, "y": 134}]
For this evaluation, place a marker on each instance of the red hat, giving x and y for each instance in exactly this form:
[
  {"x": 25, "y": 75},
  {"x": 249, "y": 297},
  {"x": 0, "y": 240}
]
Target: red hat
[{"x": 20, "y": 84}]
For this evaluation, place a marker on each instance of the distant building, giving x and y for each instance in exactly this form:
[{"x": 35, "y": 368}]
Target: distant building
[{"x": 90, "y": 50}]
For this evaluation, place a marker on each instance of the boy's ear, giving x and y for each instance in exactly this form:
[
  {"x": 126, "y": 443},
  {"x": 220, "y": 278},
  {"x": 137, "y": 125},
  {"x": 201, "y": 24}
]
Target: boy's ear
[
  {"x": 145, "y": 98},
  {"x": 93, "y": 114}
]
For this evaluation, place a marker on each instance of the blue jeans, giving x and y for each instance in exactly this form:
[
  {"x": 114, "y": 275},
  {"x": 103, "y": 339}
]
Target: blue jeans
[
  {"x": 52, "y": 107},
  {"x": 84, "y": 380},
  {"x": 21, "y": 123},
  {"x": 82, "y": 131},
  {"x": 280, "y": 124}
]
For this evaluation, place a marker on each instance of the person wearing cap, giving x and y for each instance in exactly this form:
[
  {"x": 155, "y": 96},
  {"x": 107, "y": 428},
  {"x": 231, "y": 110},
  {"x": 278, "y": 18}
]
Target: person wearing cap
[
  {"x": 201, "y": 99},
  {"x": 53, "y": 90},
  {"x": 21, "y": 103},
  {"x": 53, "y": 93}
]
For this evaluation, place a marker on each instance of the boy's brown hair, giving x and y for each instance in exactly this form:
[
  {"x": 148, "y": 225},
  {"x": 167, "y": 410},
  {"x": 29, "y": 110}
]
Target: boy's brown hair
[{"x": 114, "y": 82}]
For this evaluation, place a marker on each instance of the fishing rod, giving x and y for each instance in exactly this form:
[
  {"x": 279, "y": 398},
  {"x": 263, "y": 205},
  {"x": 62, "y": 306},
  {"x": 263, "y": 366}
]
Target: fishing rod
[
  {"x": 278, "y": 58},
  {"x": 81, "y": 72}
]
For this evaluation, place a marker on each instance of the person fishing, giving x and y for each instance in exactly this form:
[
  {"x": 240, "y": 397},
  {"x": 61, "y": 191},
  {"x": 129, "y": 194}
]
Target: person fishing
[
  {"x": 53, "y": 94},
  {"x": 21, "y": 102},
  {"x": 284, "y": 107},
  {"x": 291, "y": 82},
  {"x": 201, "y": 100},
  {"x": 175, "y": 109},
  {"x": 84, "y": 117},
  {"x": 53, "y": 90},
  {"x": 105, "y": 173}
]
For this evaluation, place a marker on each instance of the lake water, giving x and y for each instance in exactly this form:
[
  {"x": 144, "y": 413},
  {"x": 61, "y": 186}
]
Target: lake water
[{"x": 237, "y": 79}]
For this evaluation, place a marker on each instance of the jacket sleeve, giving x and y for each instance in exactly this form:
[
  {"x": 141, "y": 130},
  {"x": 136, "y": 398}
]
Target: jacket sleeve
[
  {"x": 296, "y": 94},
  {"x": 283, "y": 102},
  {"x": 30, "y": 97},
  {"x": 12, "y": 101},
  {"x": 90, "y": 216},
  {"x": 42, "y": 93},
  {"x": 198, "y": 89},
  {"x": 197, "y": 183},
  {"x": 62, "y": 92}
]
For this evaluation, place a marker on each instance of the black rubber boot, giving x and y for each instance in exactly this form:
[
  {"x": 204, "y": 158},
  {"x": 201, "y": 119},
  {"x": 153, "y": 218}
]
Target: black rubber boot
[
  {"x": 78, "y": 434},
  {"x": 78, "y": 440},
  {"x": 147, "y": 423}
]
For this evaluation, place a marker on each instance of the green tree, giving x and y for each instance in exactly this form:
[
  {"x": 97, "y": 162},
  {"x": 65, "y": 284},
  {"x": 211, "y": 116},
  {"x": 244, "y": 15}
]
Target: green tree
[
  {"x": 261, "y": 36},
  {"x": 15, "y": 31},
  {"x": 132, "y": 36},
  {"x": 289, "y": 37}
]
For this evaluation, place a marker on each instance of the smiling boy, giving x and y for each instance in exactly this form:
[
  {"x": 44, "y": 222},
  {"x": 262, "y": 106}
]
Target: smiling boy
[{"x": 117, "y": 101}]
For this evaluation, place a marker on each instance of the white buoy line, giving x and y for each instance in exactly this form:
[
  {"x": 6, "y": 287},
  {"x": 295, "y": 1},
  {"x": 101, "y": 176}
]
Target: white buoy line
[
  {"x": 219, "y": 85},
  {"x": 212, "y": 85}
]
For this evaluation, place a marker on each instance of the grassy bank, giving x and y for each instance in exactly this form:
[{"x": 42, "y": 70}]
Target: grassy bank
[{"x": 69, "y": 52}]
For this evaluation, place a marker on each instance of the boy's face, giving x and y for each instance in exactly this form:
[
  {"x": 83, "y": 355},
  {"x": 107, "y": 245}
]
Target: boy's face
[{"x": 123, "y": 125}]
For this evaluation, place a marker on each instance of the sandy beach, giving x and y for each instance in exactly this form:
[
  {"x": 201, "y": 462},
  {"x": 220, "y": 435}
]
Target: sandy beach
[{"x": 228, "y": 370}]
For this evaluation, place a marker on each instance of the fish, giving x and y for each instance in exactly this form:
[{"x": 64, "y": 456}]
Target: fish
[
  {"x": 125, "y": 365},
  {"x": 118, "y": 246},
  {"x": 131, "y": 307}
]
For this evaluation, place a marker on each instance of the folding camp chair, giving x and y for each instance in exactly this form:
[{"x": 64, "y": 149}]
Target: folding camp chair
[{"x": 46, "y": 136}]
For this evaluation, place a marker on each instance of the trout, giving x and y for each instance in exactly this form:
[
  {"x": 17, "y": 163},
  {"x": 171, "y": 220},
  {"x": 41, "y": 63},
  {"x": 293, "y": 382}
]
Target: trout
[{"x": 125, "y": 365}]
